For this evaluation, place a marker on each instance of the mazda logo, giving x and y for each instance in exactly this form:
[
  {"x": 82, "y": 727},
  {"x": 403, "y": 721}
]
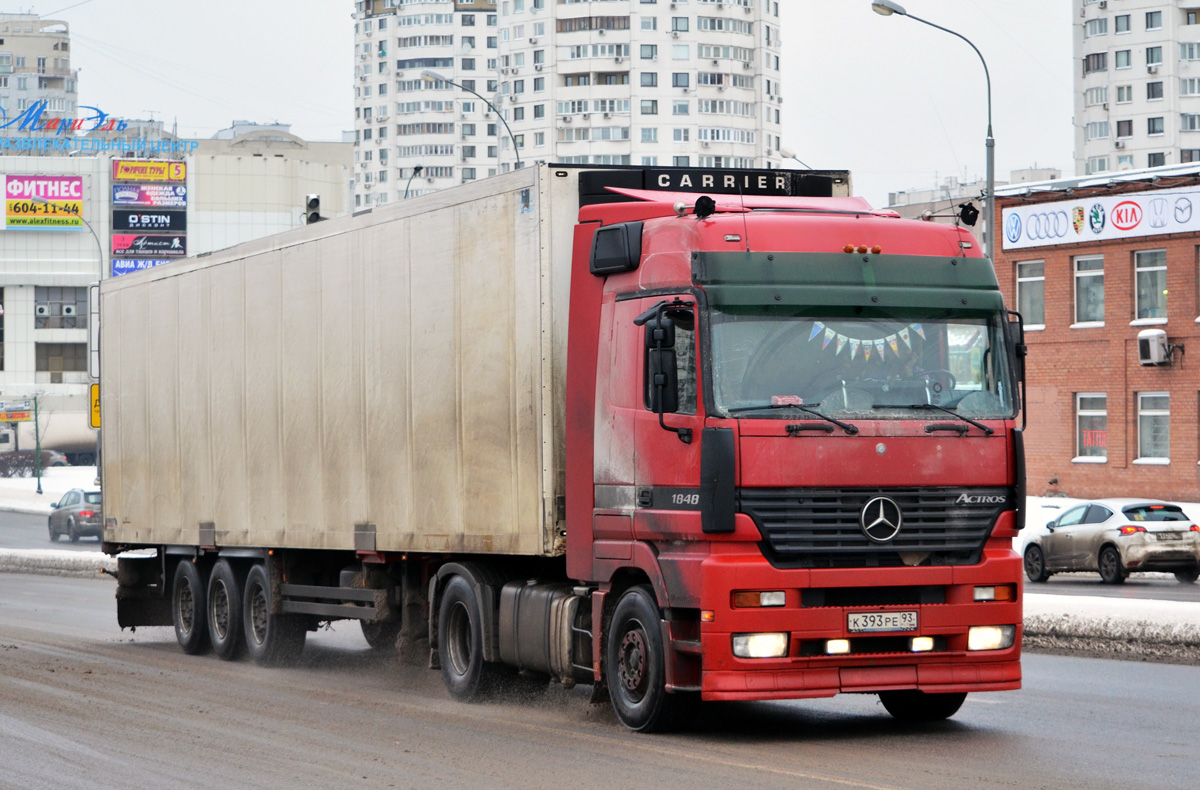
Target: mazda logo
[{"x": 880, "y": 519}]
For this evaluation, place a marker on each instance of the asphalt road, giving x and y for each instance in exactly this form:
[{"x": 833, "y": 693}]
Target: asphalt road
[
  {"x": 87, "y": 706},
  {"x": 29, "y": 531}
]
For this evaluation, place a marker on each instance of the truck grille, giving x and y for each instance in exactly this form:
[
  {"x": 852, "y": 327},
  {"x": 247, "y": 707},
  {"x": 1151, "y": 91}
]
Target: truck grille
[{"x": 819, "y": 527}]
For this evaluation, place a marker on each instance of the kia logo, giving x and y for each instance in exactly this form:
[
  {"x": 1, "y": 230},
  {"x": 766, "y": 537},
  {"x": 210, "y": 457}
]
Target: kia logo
[{"x": 1126, "y": 215}]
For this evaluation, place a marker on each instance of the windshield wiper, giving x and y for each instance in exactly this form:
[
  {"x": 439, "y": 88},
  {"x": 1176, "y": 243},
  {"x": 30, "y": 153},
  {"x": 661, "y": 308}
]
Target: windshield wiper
[
  {"x": 953, "y": 413},
  {"x": 845, "y": 426}
]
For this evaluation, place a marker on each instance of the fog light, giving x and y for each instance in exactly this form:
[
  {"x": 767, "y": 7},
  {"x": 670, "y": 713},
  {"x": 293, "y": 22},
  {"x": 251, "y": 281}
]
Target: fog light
[
  {"x": 753, "y": 600},
  {"x": 772, "y": 645},
  {"x": 922, "y": 644},
  {"x": 1003, "y": 592},
  {"x": 837, "y": 647},
  {"x": 991, "y": 637}
]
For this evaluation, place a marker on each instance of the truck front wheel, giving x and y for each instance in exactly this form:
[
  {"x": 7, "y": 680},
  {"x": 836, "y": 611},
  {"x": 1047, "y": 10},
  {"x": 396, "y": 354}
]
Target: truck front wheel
[
  {"x": 919, "y": 706},
  {"x": 225, "y": 611},
  {"x": 273, "y": 640},
  {"x": 460, "y": 643},
  {"x": 188, "y": 609},
  {"x": 634, "y": 666}
]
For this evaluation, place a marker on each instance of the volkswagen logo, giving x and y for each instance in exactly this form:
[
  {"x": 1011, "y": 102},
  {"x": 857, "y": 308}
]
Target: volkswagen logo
[
  {"x": 1012, "y": 227},
  {"x": 880, "y": 519},
  {"x": 1046, "y": 225}
]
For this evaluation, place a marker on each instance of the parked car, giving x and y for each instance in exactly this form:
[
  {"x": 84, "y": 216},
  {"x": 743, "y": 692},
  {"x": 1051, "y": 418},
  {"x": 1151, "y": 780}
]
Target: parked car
[
  {"x": 76, "y": 515},
  {"x": 19, "y": 463},
  {"x": 1116, "y": 537}
]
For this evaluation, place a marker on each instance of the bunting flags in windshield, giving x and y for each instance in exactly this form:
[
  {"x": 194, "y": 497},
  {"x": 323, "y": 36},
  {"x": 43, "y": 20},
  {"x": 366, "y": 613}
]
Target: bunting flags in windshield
[{"x": 871, "y": 347}]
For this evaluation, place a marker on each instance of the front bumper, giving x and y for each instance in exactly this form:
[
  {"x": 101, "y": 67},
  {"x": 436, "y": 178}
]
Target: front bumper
[{"x": 877, "y": 661}]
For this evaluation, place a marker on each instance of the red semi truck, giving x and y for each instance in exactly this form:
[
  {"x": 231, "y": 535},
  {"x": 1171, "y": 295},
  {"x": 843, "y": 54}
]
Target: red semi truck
[{"x": 719, "y": 435}]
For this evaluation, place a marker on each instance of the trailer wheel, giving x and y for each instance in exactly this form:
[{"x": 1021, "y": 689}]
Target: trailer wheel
[
  {"x": 225, "y": 612},
  {"x": 467, "y": 676},
  {"x": 381, "y": 634},
  {"x": 273, "y": 640},
  {"x": 913, "y": 705},
  {"x": 188, "y": 609},
  {"x": 635, "y": 666}
]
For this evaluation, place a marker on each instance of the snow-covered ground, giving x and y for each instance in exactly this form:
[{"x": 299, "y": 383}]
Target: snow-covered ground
[{"x": 19, "y": 494}]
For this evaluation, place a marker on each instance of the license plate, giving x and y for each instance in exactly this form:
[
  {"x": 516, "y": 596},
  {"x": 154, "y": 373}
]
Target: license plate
[
  {"x": 865, "y": 622},
  {"x": 1169, "y": 535}
]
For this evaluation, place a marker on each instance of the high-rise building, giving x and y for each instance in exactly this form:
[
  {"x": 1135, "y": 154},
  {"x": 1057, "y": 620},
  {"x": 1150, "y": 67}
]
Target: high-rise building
[
  {"x": 35, "y": 66},
  {"x": 692, "y": 83},
  {"x": 1137, "y": 84}
]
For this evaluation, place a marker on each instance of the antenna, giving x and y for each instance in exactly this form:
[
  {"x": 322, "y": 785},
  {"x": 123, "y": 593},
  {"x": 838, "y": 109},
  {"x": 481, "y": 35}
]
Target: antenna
[{"x": 745, "y": 227}]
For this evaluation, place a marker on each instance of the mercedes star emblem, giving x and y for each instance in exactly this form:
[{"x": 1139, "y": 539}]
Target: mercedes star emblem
[{"x": 880, "y": 519}]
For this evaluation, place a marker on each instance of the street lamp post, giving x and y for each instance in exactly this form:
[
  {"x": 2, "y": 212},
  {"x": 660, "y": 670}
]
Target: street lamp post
[
  {"x": 86, "y": 224},
  {"x": 889, "y": 7},
  {"x": 416, "y": 171},
  {"x": 433, "y": 76}
]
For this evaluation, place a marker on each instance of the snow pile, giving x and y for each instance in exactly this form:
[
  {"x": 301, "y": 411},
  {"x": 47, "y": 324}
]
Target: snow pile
[
  {"x": 19, "y": 494},
  {"x": 51, "y": 562}
]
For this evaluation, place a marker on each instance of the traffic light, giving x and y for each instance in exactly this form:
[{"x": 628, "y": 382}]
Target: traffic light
[{"x": 312, "y": 209}]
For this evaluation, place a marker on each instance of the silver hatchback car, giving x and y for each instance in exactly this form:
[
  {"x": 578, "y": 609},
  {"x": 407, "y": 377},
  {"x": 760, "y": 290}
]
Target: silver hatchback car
[{"x": 1116, "y": 537}]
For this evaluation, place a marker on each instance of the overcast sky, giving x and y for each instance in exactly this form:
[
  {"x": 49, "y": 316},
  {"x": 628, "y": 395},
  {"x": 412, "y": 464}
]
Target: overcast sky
[{"x": 899, "y": 104}]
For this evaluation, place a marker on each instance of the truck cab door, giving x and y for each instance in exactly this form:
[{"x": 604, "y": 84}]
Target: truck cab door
[{"x": 667, "y": 468}]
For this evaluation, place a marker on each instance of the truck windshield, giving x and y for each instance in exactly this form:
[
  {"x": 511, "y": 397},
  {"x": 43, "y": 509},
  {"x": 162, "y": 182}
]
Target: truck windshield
[{"x": 868, "y": 364}]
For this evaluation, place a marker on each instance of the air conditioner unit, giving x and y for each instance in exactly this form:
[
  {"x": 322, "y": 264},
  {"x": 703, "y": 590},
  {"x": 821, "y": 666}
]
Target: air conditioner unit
[
  {"x": 1106, "y": 105},
  {"x": 1152, "y": 69},
  {"x": 369, "y": 185},
  {"x": 363, "y": 56},
  {"x": 716, "y": 62},
  {"x": 504, "y": 70},
  {"x": 674, "y": 34},
  {"x": 600, "y": 31},
  {"x": 381, "y": 119},
  {"x": 68, "y": 309},
  {"x": 464, "y": 116},
  {"x": 1104, "y": 3},
  {"x": 704, "y": 143},
  {"x": 608, "y": 115},
  {"x": 747, "y": 65},
  {"x": 369, "y": 31},
  {"x": 1119, "y": 144},
  {"x": 533, "y": 39},
  {"x": 537, "y": 67},
  {"x": 619, "y": 59},
  {"x": 567, "y": 119},
  {"x": 585, "y": 116},
  {"x": 363, "y": 165},
  {"x": 430, "y": 179},
  {"x": 362, "y": 78},
  {"x": 42, "y": 310},
  {"x": 1153, "y": 348},
  {"x": 512, "y": 97}
]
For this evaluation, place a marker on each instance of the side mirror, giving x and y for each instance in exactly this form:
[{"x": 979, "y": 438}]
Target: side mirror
[
  {"x": 1050, "y": 525},
  {"x": 662, "y": 371},
  {"x": 664, "y": 380},
  {"x": 54, "y": 506}
]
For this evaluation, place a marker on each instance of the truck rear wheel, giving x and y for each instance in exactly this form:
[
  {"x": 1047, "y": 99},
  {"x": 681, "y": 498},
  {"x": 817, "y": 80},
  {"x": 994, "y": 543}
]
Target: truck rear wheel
[
  {"x": 188, "y": 609},
  {"x": 225, "y": 611},
  {"x": 916, "y": 705},
  {"x": 381, "y": 635},
  {"x": 467, "y": 676},
  {"x": 635, "y": 666},
  {"x": 273, "y": 640}
]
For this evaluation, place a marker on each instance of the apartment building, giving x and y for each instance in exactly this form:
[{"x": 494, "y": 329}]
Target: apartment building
[
  {"x": 1137, "y": 84},
  {"x": 35, "y": 65},
  {"x": 448, "y": 91}
]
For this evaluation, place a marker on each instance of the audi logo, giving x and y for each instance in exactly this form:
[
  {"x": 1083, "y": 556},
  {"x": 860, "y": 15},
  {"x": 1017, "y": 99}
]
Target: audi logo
[{"x": 1047, "y": 225}]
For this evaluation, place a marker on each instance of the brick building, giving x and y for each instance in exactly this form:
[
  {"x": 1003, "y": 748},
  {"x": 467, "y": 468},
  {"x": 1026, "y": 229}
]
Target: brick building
[{"x": 1091, "y": 263}]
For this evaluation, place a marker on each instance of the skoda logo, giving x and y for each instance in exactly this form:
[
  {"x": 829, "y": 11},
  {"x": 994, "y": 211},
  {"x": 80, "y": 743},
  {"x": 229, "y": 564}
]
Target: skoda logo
[
  {"x": 1012, "y": 228},
  {"x": 880, "y": 519}
]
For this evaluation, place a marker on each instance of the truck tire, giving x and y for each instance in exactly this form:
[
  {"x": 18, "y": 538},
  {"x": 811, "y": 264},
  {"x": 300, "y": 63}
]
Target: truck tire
[
  {"x": 635, "y": 666},
  {"x": 467, "y": 676},
  {"x": 189, "y": 613},
  {"x": 916, "y": 705},
  {"x": 225, "y": 612},
  {"x": 381, "y": 635},
  {"x": 273, "y": 640}
]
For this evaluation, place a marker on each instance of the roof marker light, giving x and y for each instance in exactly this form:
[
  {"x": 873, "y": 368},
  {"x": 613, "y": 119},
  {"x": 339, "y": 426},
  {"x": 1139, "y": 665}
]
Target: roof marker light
[
  {"x": 862, "y": 248},
  {"x": 876, "y": 250},
  {"x": 848, "y": 248}
]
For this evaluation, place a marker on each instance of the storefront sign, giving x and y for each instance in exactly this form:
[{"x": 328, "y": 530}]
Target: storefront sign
[
  {"x": 150, "y": 195},
  {"x": 120, "y": 267},
  {"x": 1130, "y": 215},
  {"x": 43, "y": 202},
  {"x": 130, "y": 245},
  {"x": 147, "y": 220},
  {"x": 148, "y": 170}
]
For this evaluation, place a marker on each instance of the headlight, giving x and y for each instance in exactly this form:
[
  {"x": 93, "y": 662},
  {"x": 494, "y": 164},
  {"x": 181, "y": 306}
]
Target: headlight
[
  {"x": 771, "y": 645},
  {"x": 991, "y": 637}
]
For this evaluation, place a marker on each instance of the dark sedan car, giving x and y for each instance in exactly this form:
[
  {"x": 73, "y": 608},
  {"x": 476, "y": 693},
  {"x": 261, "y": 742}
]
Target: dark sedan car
[{"x": 77, "y": 515}]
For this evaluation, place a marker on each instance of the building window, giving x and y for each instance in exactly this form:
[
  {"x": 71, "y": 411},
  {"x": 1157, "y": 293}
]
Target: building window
[
  {"x": 1154, "y": 20},
  {"x": 649, "y": 107},
  {"x": 1096, "y": 27},
  {"x": 58, "y": 358},
  {"x": 649, "y": 79},
  {"x": 1154, "y": 91},
  {"x": 1156, "y": 159},
  {"x": 59, "y": 307},
  {"x": 1154, "y": 126},
  {"x": 649, "y": 134},
  {"x": 1097, "y": 164},
  {"x": 649, "y": 51},
  {"x": 1031, "y": 293},
  {"x": 1150, "y": 291},
  {"x": 1124, "y": 94},
  {"x": 681, "y": 161},
  {"x": 1091, "y": 427},
  {"x": 1153, "y": 56},
  {"x": 1125, "y": 162},
  {"x": 1096, "y": 62},
  {"x": 1124, "y": 129},
  {"x": 1154, "y": 428},
  {"x": 680, "y": 107},
  {"x": 1089, "y": 290},
  {"x": 1121, "y": 59},
  {"x": 1095, "y": 96},
  {"x": 1121, "y": 23},
  {"x": 680, "y": 79},
  {"x": 1189, "y": 155},
  {"x": 1189, "y": 122}
]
